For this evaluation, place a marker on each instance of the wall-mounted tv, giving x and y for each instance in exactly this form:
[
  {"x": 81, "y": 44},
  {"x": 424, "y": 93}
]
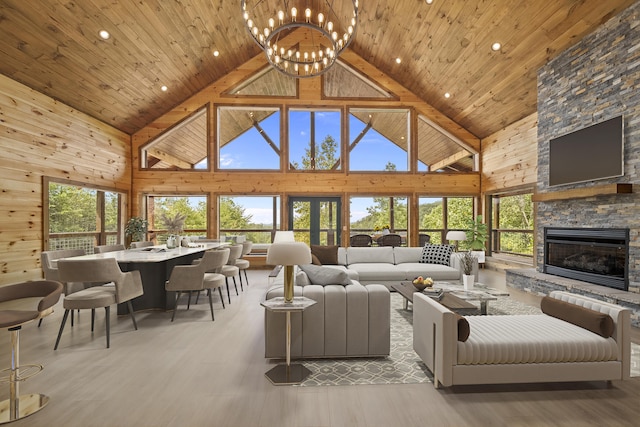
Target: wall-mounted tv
[{"x": 595, "y": 152}]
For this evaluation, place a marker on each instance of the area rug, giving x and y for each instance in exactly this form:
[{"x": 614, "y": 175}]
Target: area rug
[{"x": 403, "y": 366}]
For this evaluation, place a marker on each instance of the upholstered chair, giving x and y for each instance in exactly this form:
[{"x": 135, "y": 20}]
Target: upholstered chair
[
  {"x": 145, "y": 244},
  {"x": 125, "y": 287},
  {"x": 21, "y": 303},
  {"x": 49, "y": 261},
  {"x": 198, "y": 277},
  {"x": 423, "y": 239},
  {"x": 242, "y": 263},
  {"x": 107, "y": 248},
  {"x": 230, "y": 269},
  {"x": 361, "y": 240}
]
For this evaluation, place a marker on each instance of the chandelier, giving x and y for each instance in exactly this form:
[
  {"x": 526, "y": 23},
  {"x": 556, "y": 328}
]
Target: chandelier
[{"x": 332, "y": 26}]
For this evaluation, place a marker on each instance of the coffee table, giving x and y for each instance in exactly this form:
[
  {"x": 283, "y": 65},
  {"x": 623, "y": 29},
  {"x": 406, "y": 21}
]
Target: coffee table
[{"x": 452, "y": 302}]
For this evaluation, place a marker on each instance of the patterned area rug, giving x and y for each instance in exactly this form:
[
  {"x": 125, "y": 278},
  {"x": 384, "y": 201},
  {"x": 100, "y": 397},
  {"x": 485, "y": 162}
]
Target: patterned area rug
[{"x": 403, "y": 366}]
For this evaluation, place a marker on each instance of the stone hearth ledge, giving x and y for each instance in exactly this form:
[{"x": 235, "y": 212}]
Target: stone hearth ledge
[{"x": 532, "y": 281}]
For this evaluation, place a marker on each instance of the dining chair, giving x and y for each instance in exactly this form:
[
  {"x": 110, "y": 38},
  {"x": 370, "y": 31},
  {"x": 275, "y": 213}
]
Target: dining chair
[
  {"x": 230, "y": 269},
  {"x": 423, "y": 239},
  {"x": 107, "y": 248},
  {"x": 20, "y": 304},
  {"x": 103, "y": 272},
  {"x": 389, "y": 240},
  {"x": 361, "y": 240},
  {"x": 242, "y": 263},
  {"x": 145, "y": 244},
  {"x": 198, "y": 277},
  {"x": 49, "y": 261}
]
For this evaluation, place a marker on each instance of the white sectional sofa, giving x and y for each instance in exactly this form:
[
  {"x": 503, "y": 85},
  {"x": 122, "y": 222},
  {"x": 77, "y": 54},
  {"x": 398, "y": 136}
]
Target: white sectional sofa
[
  {"x": 389, "y": 265},
  {"x": 522, "y": 348}
]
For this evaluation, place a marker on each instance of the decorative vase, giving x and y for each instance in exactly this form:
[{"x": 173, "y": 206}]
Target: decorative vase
[
  {"x": 172, "y": 241},
  {"x": 467, "y": 281}
]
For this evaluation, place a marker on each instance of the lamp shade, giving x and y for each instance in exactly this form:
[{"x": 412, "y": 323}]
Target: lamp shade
[
  {"x": 456, "y": 235},
  {"x": 283, "y": 236},
  {"x": 289, "y": 253}
]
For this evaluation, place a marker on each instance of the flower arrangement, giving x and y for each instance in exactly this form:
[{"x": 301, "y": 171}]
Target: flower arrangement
[
  {"x": 381, "y": 227},
  {"x": 136, "y": 227},
  {"x": 174, "y": 224}
]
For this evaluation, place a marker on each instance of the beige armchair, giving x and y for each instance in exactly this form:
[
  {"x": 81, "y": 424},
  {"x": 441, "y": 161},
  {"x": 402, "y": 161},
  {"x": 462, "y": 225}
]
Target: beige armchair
[
  {"x": 230, "y": 269},
  {"x": 49, "y": 261},
  {"x": 198, "y": 277},
  {"x": 126, "y": 286},
  {"x": 242, "y": 263},
  {"x": 107, "y": 248}
]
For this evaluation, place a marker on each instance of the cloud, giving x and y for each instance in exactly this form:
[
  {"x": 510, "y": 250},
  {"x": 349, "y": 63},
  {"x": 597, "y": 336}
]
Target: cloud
[{"x": 227, "y": 160}]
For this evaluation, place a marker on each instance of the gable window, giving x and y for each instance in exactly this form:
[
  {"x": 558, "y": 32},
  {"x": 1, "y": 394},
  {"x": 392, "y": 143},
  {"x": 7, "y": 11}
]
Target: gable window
[
  {"x": 249, "y": 138},
  {"x": 378, "y": 139},
  {"x": 314, "y": 139}
]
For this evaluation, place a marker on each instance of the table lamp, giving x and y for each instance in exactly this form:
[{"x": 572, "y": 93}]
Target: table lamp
[
  {"x": 283, "y": 236},
  {"x": 288, "y": 254},
  {"x": 456, "y": 236}
]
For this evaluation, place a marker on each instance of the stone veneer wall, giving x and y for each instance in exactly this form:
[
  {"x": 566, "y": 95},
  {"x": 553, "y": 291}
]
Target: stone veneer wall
[{"x": 597, "y": 79}]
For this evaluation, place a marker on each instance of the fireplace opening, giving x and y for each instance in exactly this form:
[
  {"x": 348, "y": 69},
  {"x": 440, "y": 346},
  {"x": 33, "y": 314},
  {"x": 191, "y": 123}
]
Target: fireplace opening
[{"x": 594, "y": 255}]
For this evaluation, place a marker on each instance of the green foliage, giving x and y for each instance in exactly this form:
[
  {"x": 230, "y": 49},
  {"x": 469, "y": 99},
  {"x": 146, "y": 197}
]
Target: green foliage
[
  {"x": 325, "y": 157},
  {"x": 516, "y": 213},
  {"x": 72, "y": 209},
  {"x": 136, "y": 227},
  {"x": 477, "y": 233},
  {"x": 232, "y": 215}
]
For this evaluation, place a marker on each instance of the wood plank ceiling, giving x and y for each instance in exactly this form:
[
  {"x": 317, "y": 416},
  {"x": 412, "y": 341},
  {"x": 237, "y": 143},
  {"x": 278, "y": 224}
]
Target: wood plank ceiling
[{"x": 53, "y": 46}]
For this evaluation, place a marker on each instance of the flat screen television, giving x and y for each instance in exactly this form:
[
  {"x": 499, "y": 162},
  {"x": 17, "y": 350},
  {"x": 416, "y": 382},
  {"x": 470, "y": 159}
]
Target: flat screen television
[{"x": 595, "y": 152}]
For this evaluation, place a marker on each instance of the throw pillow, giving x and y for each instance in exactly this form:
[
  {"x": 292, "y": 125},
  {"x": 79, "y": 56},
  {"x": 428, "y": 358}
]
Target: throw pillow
[
  {"x": 592, "y": 320},
  {"x": 315, "y": 260},
  {"x": 325, "y": 254},
  {"x": 463, "y": 328},
  {"x": 323, "y": 276},
  {"x": 436, "y": 254}
]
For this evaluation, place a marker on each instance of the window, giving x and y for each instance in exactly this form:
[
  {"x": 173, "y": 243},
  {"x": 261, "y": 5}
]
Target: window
[
  {"x": 249, "y": 138},
  {"x": 256, "y": 217},
  {"x": 81, "y": 217},
  {"x": 378, "y": 140},
  {"x": 314, "y": 139},
  {"x": 439, "y": 215},
  {"x": 512, "y": 224},
  {"x": 192, "y": 208},
  {"x": 438, "y": 150},
  {"x": 181, "y": 147},
  {"x": 370, "y": 215}
]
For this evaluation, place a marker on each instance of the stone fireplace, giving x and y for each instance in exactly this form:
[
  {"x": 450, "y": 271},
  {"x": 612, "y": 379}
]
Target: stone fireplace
[{"x": 594, "y": 255}]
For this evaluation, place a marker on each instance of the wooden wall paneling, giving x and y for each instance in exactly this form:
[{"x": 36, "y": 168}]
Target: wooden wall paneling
[
  {"x": 43, "y": 137},
  {"x": 510, "y": 156}
]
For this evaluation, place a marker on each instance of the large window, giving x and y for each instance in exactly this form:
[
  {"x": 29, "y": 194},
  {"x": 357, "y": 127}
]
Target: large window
[
  {"x": 81, "y": 217},
  {"x": 370, "y": 215},
  {"x": 314, "y": 139},
  {"x": 378, "y": 140},
  {"x": 512, "y": 224},
  {"x": 249, "y": 138},
  {"x": 256, "y": 217},
  {"x": 165, "y": 210},
  {"x": 437, "y": 215}
]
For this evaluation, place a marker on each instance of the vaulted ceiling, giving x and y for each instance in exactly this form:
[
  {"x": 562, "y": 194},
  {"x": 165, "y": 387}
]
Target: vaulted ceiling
[{"x": 53, "y": 47}]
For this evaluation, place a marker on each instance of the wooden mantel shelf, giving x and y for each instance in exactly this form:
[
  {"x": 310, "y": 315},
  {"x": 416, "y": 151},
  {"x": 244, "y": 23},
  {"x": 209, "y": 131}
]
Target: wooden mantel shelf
[{"x": 580, "y": 193}]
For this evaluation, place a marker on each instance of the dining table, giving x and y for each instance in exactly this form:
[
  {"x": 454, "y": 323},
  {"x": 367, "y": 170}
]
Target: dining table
[{"x": 155, "y": 264}]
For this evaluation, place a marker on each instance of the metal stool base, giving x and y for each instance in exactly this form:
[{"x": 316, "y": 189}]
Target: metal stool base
[{"x": 28, "y": 404}]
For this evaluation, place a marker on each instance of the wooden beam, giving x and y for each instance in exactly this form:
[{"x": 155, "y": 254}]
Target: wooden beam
[
  {"x": 166, "y": 157},
  {"x": 581, "y": 193}
]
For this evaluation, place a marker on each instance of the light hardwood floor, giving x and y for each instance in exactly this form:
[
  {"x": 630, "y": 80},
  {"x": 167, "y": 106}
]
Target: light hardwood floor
[{"x": 195, "y": 372}]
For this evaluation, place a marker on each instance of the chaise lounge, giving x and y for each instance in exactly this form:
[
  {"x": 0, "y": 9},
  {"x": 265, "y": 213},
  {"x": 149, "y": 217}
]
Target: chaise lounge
[{"x": 524, "y": 348}]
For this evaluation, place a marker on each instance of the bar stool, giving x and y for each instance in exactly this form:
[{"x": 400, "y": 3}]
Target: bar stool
[{"x": 19, "y": 304}]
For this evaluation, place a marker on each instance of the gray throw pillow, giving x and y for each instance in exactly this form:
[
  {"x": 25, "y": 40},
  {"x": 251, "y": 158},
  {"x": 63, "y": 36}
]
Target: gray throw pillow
[{"x": 319, "y": 275}]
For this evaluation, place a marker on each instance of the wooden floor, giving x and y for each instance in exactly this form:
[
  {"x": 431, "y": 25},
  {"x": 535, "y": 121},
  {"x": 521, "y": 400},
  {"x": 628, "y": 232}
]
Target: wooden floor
[{"x": 195, "y": 372}]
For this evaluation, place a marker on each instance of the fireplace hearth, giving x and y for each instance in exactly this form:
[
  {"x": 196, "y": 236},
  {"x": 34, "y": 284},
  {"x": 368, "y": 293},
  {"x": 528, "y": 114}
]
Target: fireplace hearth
[{"x": 594, "y": 255}]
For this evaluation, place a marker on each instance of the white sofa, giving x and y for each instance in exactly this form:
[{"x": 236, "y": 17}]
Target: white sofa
[
  {"x": 520, "y": 348},
  {"x": 388, "y": 265}
]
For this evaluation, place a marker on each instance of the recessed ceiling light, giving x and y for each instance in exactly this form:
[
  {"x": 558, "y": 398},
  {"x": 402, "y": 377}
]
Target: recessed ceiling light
[
  {"x": 104, "y": 34},
  {"x": 429, "y": 1},
  {"x": 496, "y": 46},
  {"x": 398, "y": 60},
  {"x": 216, "y": 53},
  {"x": 447, "y": 95},
  {"x": 164, "y": 88}
]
